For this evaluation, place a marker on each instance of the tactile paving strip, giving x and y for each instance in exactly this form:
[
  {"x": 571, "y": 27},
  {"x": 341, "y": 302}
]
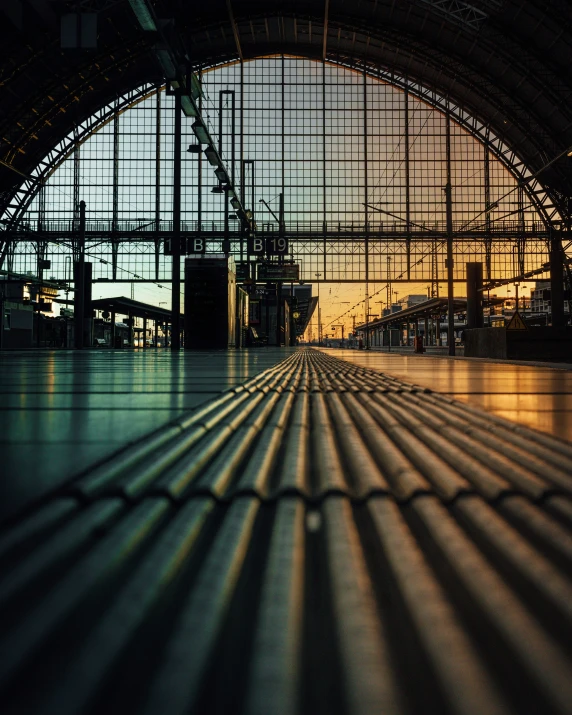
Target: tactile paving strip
[{"x": 321, "y": 539}]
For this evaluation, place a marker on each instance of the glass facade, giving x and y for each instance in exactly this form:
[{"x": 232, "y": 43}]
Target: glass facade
[{"x": 362, "y": 165}]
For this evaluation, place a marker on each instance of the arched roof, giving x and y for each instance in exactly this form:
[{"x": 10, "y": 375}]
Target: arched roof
[{"x": 507, "y": 62}]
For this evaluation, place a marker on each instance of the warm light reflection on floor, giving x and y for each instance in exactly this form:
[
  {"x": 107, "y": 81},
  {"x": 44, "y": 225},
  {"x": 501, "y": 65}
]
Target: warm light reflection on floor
[{"x": 538, "y": 397}]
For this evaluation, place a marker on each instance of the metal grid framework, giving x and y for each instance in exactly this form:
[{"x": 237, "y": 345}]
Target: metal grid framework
[{"x": 361, "y": 157}]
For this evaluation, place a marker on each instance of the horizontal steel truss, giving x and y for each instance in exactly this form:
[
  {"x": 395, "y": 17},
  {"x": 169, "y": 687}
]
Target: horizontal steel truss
[{"x": 340, "y": 257}]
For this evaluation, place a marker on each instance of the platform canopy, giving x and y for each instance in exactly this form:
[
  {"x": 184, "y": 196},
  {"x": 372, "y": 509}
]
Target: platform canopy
[{"x": 126, "y": 306}]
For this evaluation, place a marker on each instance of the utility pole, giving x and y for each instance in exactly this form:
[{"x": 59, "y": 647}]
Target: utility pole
[
  {"x": 176, "y": 258},
  {"x": 319, "y": 311},
  {"x": 389, "y": 283},
  {"x": 79, "y": 282},
  {"x": 449, "y": 206}
]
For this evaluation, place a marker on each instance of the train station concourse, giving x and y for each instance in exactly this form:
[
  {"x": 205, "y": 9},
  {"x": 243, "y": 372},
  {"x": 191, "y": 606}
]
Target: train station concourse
[{"x": 286, "y": 357}]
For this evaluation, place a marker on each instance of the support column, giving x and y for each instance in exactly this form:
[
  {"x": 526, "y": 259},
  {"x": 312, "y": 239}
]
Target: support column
[
  {"x": 407, "y": 180},
  {"x": 450, "y": 285},
  {"x": 176, "y": 259},
  {"x": 115, "y": 197},
  {"x": 113, "y": 330},
  {"x": 488, "y": 238},
  {"x": 475, "y": 295},
  {"x": 144, "y": 332},
  {"x": 157, "y": 182},
  {"x": 156, "y": 340},
  {"x": 130, "y": 321},
  {"x": 556, "y": 279},
  {"x": 79, "y": 282},
  {"x": 426, "y": 332}
]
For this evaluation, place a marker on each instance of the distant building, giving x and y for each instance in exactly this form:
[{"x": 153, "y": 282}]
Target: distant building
[
  {"x": 409, "y": 301},
  {"x": 540, "y": 298}
]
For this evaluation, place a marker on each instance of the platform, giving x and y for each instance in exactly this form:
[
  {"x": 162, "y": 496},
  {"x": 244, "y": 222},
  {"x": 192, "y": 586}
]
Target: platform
[{"x": 318, "y": 537}]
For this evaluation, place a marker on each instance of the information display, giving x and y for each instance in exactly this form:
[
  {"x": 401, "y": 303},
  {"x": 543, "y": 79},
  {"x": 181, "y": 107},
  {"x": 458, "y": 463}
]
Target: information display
[
  {"x": 278, "y": 272},
  {"x": 242, "y": 271}
]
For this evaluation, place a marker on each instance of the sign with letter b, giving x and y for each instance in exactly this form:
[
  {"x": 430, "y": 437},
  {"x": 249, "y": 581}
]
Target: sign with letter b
[
  {"x": 198, "y": 244},
  {"x": 256, "y": 246}
]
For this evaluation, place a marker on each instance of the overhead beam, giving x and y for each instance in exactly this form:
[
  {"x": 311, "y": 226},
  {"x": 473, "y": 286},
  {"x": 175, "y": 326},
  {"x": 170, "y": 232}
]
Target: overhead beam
[
  {"x": 234, "y": 29},
  {"x": 325, "y": 38}
]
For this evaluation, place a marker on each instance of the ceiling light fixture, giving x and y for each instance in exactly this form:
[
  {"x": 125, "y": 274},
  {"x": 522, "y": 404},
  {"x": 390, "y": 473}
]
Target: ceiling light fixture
[
  {"x": 189, "y": 109},
  {"x": 212, "y": 156},
  {"x": 143, "y": 14},
  {"x": 201, "y": 132}
]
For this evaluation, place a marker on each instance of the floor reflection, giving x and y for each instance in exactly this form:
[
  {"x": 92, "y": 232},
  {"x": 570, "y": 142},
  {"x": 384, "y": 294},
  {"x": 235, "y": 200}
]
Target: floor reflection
[{"x": 538, "y": 397}]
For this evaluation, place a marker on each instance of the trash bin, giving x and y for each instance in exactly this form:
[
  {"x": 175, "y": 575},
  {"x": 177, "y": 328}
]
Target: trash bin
[{"x": 418, "y": 344}]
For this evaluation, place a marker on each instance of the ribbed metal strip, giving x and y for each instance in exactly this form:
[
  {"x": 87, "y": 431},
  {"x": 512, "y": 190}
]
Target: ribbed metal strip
[
  {"x": 369, "y": 679},
  {"x": 396, "y": 437},
  {"x": 275, "y": 672},
  {"x": 59, "y": 548},
  {"x": 161, "y": 566},
  {"x": 461, "y": 676},
  {"x": 192, "y": 644},
  {"x": 300, "y": 520},
  {"x": 500, "y": 612},
  {"x": 24, "y": 638},
  {"x": 163, "y": 582}
]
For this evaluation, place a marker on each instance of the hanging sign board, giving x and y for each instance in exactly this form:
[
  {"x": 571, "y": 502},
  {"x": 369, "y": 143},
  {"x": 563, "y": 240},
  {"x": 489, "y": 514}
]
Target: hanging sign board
[
  {"x": 278, "y": 272},
  {"x": 276, "y": 246},
  {"x": 189, "y": 246}
]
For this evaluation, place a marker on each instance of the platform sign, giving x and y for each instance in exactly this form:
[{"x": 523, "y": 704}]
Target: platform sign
[
  {"x": 256, "y": 246},
  {"x": 278, "y": 272},
  {"x": 169, "y": 246},
  {"x": 276, "y": 246},
  {"x": 516, "y": 322},
  {"x": 196, "y": 245}
]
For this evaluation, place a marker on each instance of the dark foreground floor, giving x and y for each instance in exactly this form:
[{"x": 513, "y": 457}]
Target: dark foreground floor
[
  {"x": 322, "y": 538},
  {"x": 63, "y": 411}
]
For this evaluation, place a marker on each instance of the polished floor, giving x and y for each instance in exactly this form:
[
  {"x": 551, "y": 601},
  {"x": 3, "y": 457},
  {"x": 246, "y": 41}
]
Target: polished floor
[
  {"x": 536, "y": 396},
  {"x": 322, "y": 539},
  {"x": 63, "y": 411}
]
